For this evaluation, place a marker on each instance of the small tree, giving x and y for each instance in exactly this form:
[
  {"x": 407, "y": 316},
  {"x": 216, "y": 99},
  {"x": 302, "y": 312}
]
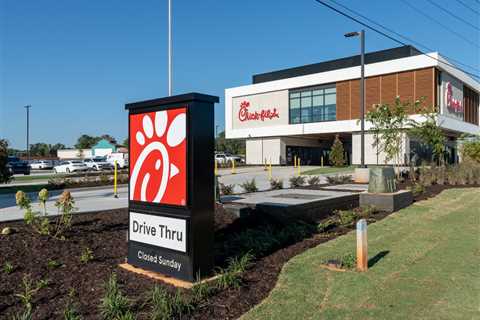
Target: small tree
[
  {"x": 5, "y": 173},
  {"x": 471, "y": 148},
  {"x": 388, "y": 123},
  {"x": 428, "y": 132},
  {"x": 337, "y": 157}
]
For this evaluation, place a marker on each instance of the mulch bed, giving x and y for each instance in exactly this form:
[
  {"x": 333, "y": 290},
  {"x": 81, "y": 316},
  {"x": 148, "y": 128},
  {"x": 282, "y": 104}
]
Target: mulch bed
[{"x": 105, "y": 233}]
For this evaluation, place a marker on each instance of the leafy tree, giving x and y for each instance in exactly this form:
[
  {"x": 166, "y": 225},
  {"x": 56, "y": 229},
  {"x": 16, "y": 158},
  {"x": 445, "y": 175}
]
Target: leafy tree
[
  {"x": 40, "y": 149},
  {"x": 109, "y": 138},
  {"x": 85, "y": 141},
  {"x": 5, "y": 174},
  {"x": 337, "y": 157},
  {"x": 388, "y": 123},
  {"x": 54, "y": 148},
  {"x": 125, "y": 142},
  {"x": 428, "y": 132},
  {"x": 235, "y": 146}
]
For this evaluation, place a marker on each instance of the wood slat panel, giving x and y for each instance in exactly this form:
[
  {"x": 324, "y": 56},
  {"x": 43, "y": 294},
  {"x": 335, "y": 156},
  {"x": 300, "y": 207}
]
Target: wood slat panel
[
  {"x": 372, "y": 92},
  {"x": 389, "y": 89},
  {"x": 424, "y": 78},
  {"x": 406, "y": 86},
  {"x": 343, "y": 100},
  {"x": 355, "y": 99}
]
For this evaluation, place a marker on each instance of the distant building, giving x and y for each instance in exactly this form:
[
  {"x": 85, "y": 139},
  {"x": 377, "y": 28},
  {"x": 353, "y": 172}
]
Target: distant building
[
  {"x": 103, "y": 148},
  {"x": 65, "y": 154}
]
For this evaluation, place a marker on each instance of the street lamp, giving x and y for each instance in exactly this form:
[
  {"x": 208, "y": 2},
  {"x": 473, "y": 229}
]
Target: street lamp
[
  {"x": 28, "y": 130},
  {"x": 362, "y": 91}
]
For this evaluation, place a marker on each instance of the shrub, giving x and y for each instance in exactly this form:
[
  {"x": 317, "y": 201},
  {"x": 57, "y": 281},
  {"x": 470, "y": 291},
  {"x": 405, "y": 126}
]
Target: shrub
[
  {"x": 345, "y": 217},
  {"x": 296, "y": 181},
  {"x": 339, "y": 179},
  {"x": 276, "y": 184},
  {"x": 326, "y": 225},
  {"x": 5, "y": 173},
  {"x": 365, "y": 211},
  {"x": 27, "y": 295},
  {"x": 165, "y": 306},
  {"x": 313, "y": 181},
  {"x": 231, "y": 276},
  {"x": 87, "y": 255},
  {"x": 337, "y": 157},
  {"x": 227, "y": 189},
  {"x": 471, "y": 148},
  {"x": 63, "y": 222},
  {"x": 114, "y": 304},
  {"x": 250, "y": 186},
  {"x": 417, "y": 189},
  {"x": 8, "y": 267}
]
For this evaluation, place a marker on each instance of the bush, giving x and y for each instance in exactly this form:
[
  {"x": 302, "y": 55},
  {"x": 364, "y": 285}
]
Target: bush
[
  {"x": 8, "y": 267},
  {"x": 226, "y": 189},
  {"x": 114, "y": 305},
  {"x": 339, "y": 179},
  {"x": 326, "y": 225},
  {"x": 231, "y": 276},
  {"x": 250, "y": 186},
  {"x": 313, "y": 181},
  {"x": 337, "y": 157},
  {"x": 276, "y": 184},
  {"x": 345, "y": 217},
  {"x": 5, "y": 174},
  {"x": 296, "y": 181},
  {"x": 471, "y": 148}
]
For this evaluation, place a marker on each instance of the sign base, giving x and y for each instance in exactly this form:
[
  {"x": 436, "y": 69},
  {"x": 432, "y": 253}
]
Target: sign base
[{"x": 164, "y": 278}]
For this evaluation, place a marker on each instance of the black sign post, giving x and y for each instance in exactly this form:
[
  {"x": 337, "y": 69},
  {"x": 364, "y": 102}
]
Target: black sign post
[{"x": 171, "y": 186}]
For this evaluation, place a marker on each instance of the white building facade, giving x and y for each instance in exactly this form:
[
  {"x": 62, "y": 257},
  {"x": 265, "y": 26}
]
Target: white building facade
[{"x": 297, "y": 112}]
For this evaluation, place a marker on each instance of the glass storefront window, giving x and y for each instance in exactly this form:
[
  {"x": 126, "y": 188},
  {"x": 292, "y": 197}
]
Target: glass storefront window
[{"x": 313, "y": 104}]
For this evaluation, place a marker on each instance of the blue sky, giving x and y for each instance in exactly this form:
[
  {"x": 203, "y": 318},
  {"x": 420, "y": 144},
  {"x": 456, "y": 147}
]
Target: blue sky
[{"x": 78, "y": 62}]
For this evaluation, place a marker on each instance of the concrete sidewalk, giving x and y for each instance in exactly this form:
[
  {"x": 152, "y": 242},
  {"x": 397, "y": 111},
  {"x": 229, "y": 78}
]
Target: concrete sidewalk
[{"x": 86, "y": 199}]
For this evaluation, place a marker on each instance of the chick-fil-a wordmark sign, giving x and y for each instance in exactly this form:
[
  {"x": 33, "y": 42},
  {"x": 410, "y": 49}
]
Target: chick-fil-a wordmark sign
[
  {"x": 171, "y": 187},
  {"x": 262, "y": 115}
]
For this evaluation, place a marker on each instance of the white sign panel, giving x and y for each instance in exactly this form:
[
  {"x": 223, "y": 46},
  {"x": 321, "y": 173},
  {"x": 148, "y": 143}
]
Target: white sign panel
[
  {"x": 159, "y": 231},
  {"x": 452, "y": 97},
  {"x": 260, "y": 110}
]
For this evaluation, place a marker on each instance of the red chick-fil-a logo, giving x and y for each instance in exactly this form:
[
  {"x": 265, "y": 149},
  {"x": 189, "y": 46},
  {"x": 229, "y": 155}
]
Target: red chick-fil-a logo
[
  {"x": 453, "y": 104},
  {"x": 245, "y": 115}
]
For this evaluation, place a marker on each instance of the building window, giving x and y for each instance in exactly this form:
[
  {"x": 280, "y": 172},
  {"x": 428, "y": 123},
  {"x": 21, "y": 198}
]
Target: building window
[{"x": 313, "y": 104}]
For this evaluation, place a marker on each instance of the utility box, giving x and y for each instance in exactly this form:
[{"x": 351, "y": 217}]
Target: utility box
[{"x": 171, "y": 185}]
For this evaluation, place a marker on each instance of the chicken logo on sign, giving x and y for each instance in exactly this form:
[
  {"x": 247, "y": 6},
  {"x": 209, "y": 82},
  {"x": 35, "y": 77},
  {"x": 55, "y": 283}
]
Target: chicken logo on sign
[{"x": 158, "y": 157}]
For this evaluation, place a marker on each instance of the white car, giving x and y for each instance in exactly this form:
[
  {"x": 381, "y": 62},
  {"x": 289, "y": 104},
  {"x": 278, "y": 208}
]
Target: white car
[
  {"x": 41, "y": 164},
  {"x": 70, "y": 166},
  {"x": 99, "y": 163},
  {"x": 121, "y": 158}
]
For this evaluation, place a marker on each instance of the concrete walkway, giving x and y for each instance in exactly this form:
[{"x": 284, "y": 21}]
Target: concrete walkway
[{"x": 86, "y": 199}]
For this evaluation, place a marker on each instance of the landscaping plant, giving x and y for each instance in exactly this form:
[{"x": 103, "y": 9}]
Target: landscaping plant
[
  {"x": 27, "y": 295},
  {"x": 250, "y": 186},
  {"x": 337, "y": 153},
  {"x": 165, "y": 306},
  {"x": 313, "y": 181},
  {"x": 296, "y": 181},
  {"x": 5, "y": 173},
  {"x": 276, "y": 184},
  {"x": 471, "y": 147},
  {"x": 8, "y": 267},
  {"x": 114, "y": 305},
  {"x": 339, "y": 179},
  {"x": 87, "y": 255},
  {"x": 226, "y": 189}
]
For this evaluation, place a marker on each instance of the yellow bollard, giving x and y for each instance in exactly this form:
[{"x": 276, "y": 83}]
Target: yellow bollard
[
  {"x": 233, "y": 166},
  {"x": 294, "y": 161},
  {"x": 115, "y": 194},
  {"x": 270, "y": 171},
  {"x": 298, "y": 166},
  {"x": 321, "y": 161},
  {"x": 216, "y": 167}
]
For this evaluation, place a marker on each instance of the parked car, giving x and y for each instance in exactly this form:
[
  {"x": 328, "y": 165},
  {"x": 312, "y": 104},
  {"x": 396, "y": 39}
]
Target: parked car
[
  {"x": 121, "y": 158},
  {"x": 227, "y": 158},
  {"x": 41, "y": 164},
  {"x": 70, "y": 166},
  {"x": 17, "y": 166},
  {"x": 98, "y": 163}
]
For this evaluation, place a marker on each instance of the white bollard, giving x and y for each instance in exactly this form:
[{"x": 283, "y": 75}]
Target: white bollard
[{"x": 362, "y": 248}]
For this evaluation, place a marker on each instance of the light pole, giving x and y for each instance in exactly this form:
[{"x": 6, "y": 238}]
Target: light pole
[
  {"x": 170, "y": 54},
  {"x": 362, "y": 92},
  {"x": 28, "y": 130}
]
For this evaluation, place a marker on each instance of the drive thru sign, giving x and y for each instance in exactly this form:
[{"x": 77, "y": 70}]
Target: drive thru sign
[{"x": 171, "y": 186}]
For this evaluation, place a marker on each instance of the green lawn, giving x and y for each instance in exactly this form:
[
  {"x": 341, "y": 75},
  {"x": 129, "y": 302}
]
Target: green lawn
[
  {"x": 431, "y": 270},
  {"x": 326, "y": 170}
]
